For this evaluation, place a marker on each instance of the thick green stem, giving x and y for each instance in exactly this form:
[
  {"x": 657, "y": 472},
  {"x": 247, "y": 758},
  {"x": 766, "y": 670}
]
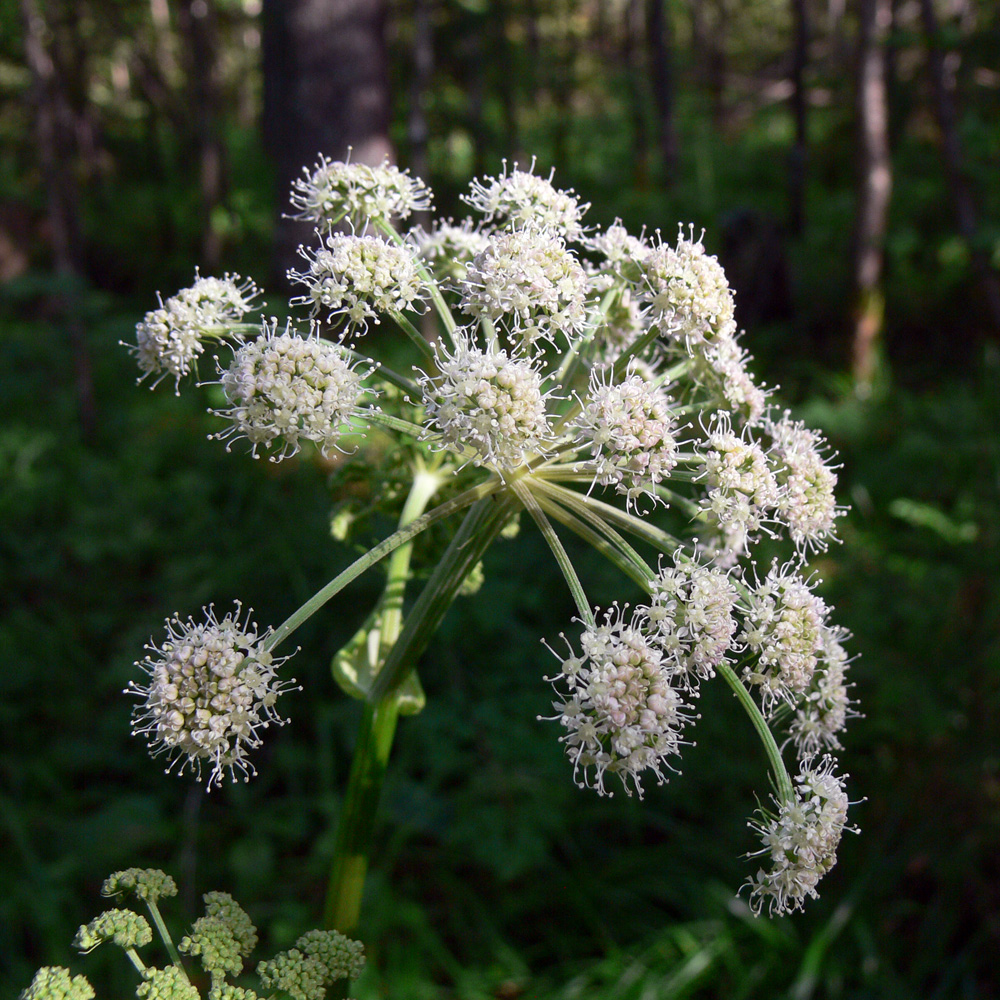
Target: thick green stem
[
  {"x": 357, "y": 818},
  {"x": 378, "y": 726}
]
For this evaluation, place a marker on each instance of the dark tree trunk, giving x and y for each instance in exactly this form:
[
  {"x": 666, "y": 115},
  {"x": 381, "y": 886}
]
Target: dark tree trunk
[
  {"x": 800, "y": 104},
  {"x": 326, "y": 88},
  {"x": 196, "y": 23},
  {"x": 659, "y": 38},
  {"x": 634, "y": 75},
  {"x": 57, "y": 131},
  {"x": 874, "y": 189},
  {"x": 954, "y": 161},
  {"x": 423, "y": 66}
]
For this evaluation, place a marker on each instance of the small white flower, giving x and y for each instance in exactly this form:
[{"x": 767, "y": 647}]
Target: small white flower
[
  {"x": 212, "y": 688},
  {"x": 286, "y": 388},
  {"x": 741, "y": 489},
  {"x": 334, "y": 190},
  {"x": 726, "y": 362},
  {"x": 170, "y": 339},
  {"x": 801, "y": 840},
  {"x": 822, "y": 715},
  {"x": 521, "y": 198},
  {"x": 448, "y": 248},
  {"x": 808, "y": 504},
  {"x": 629, "y": 429},
  {"x": 360, "y": 277},
  {"x": 621, "y": 712},
  {"x": 618, "y": 247},
  {"x": 531, "y": 280},
  {"x": 686, "y": 291},
  {"x": 488, "y": 401},
  {"x": 785, "y": 625},
  {"x": 690, "y": 617}
]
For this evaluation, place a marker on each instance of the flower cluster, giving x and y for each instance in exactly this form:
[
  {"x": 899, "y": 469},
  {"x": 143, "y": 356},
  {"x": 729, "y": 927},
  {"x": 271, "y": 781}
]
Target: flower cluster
[
  {"x": 123, "y": 927},
  {"x": 361, "y": 277},
  {"x": 53, "y": 982},
  {"x": 488, "y": 401},
  {"x": 212, "y": 688},
  {"x": 148, "y": 884},
  {"x": 521, "y": 198},
  {"x": 287, "y": 388},
  {"x": 333, "y": 191},
  {"x": 686, "y": 291},
  {"x": 220, "y": 940},
  {"x": 594, "y": 379},
  {"x": 170, "y": 339},
  {"x": 785, "y": 628},
  {"x": 630, "y": 430},
  {"x": 691, "y": 616},
  {"x": 801, "y": 839},
  {"x": 621, "y": 711},
  {"x": 529, "y": 279},
  {"x": 318, "y": 959}
]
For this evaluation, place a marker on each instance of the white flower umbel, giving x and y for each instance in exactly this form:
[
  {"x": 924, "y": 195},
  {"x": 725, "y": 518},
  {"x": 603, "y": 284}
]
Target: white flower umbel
[
  {"x": 521, "y": 198},
  {"x": 621, "y": 712},
  {"x": 618, "y": 247},
  {"x": 532, "y": 281},
  {"x": 488, "y": 401},
  {"x": 170, "y": 339},
  {"x": 822, "y": 715},
  {"x": 686, "y": 291},
  {"x": 334, "y": 190},
  {"x": 726, "y": 362},
  {"x": 359, "y": 277},
  {"x": 808, "y": 504},
  {"x": 741, "y": 489},
  {"x": 212, "y": 688},
  {"x": 801, "y": 839},
  {"x": 285, "y": 389},
  {"x": 448, "y": 248},
  {"x": 690, "y": 617},
  {"x": 629, "y": 429},
  {"x": 784, "y": 626}
]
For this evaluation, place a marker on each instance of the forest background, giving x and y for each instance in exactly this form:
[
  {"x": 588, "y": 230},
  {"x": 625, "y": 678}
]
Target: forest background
[{"x": 843, "y": 159}]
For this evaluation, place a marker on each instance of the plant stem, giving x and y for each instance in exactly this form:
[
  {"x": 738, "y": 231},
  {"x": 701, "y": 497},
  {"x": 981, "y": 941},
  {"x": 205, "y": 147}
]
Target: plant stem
[
  {"x": 357, "y": 818},
  {"x": 378, "y": 726}
]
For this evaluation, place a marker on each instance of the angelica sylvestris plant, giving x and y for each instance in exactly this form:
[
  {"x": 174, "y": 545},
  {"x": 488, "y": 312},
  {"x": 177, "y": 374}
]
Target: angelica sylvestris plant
[
  {"x": 216, "y": 947},
  {"x": 587, "y": 382}
]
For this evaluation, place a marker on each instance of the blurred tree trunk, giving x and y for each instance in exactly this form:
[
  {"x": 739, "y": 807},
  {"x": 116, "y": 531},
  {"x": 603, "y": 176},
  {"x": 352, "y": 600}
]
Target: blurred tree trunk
[
  {"x": 954, "y": 161},
  {"x": 418, "y": 130},
  {"x": 57, "y": 134},
  {"x": 659, "y": 40},
  {"x": 874, "y": 189},
  {"x": 634, "y": 76},
  {"x": 196, "y": 26},
  {"x": 326, "y": 88},
  {"x": 800, "y": 104}
]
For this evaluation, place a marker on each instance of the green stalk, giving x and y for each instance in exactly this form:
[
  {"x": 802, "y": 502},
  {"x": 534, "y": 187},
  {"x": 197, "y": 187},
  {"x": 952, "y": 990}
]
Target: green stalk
[
  {"x": 377, "y": 729},
  {"x": 372, "y": 556},
  {"x": 357, "y": 817},
  {"x": 168, "y": 941},
  {"x": 527, "y": 498},
  {"x": 784, "y": 783},
  {"x": 482, "y": 524},
  {"x": 440, "y": 306}
]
